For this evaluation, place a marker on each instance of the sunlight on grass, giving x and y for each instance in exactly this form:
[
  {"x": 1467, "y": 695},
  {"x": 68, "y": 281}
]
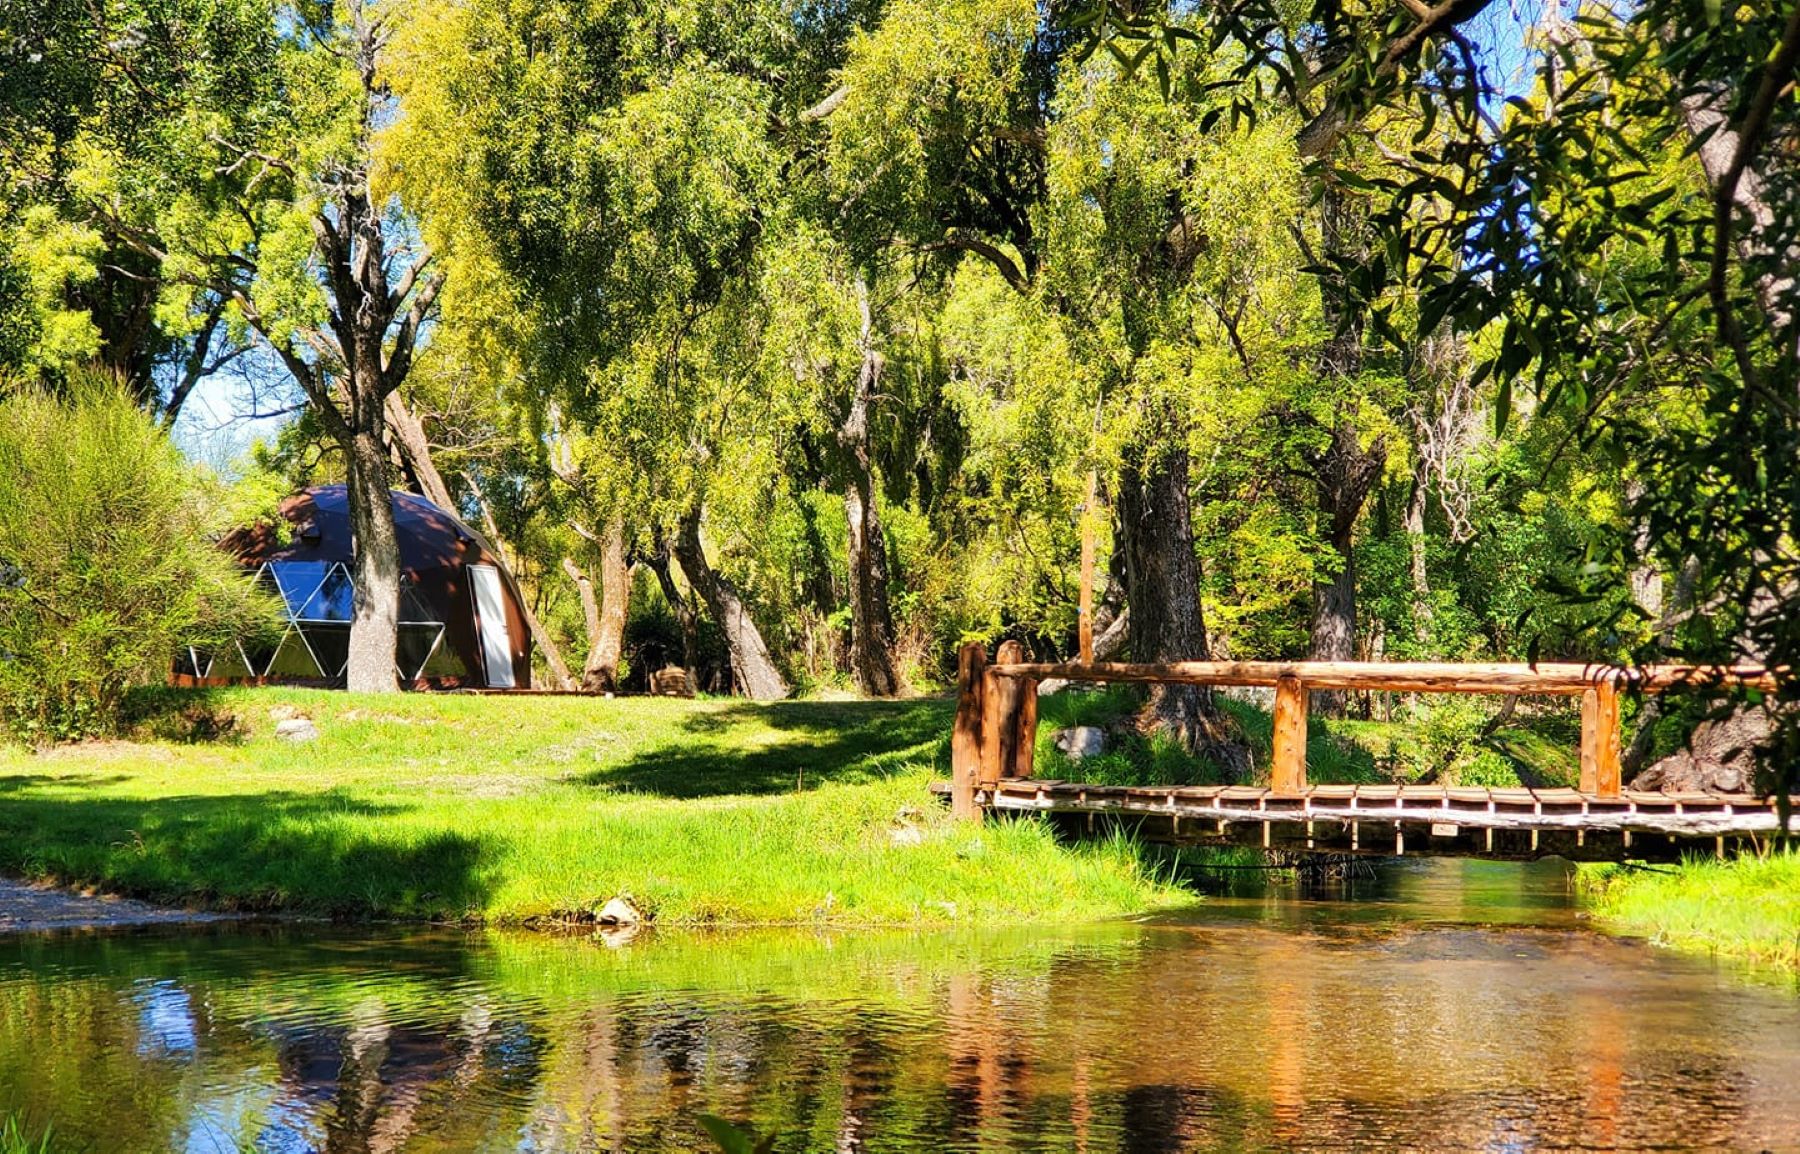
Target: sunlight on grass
[
  {"x": 535, "y": 808},
  {"x": 1744, "y": 908}
]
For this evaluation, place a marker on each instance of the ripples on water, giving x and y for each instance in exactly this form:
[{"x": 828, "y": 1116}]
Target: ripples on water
[{"x": 1452, "y": 1006}]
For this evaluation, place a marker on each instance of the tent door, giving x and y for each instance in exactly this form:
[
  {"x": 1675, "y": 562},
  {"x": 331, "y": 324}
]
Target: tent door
[{"x": 490, "y": 622}]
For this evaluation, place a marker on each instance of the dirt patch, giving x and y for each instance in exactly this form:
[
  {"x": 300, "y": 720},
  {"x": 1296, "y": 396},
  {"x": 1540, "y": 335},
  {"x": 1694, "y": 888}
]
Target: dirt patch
[{"x": 29, "y": 906}]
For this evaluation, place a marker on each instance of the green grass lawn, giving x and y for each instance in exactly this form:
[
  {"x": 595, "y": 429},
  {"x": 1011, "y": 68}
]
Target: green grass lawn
[
  {"x": 1746, "y": 908},
  {"x": 511, "y": 809}
]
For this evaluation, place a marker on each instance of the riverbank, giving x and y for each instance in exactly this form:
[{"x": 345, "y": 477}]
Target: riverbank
[
  {"x": 1748, "y": 908},
  {"x": 27, "y": 907},
  {"x": 515, "y": 810}
]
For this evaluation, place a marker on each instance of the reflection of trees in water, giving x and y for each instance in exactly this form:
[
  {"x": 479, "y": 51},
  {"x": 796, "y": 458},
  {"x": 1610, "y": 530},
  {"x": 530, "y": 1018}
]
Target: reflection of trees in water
[
  {"x": 371, "y": 1084},
  {"x": 1222, "y": 1036}
]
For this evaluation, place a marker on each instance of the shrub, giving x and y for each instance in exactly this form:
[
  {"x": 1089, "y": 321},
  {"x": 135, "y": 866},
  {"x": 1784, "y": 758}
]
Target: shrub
[{"x": 107, "y": 561}]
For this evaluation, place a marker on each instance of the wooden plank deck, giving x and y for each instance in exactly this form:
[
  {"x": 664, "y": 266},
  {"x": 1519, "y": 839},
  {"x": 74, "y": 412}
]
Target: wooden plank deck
[{"x": 1395, "y": 819}]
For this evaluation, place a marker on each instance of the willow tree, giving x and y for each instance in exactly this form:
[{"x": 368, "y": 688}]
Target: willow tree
[
  {"x": 616, "y": 170},
  {"x": 919, "y": 165}
]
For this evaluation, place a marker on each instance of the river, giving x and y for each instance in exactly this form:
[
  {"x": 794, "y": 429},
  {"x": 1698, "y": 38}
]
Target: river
[{"x": 1439, "y": 1005}]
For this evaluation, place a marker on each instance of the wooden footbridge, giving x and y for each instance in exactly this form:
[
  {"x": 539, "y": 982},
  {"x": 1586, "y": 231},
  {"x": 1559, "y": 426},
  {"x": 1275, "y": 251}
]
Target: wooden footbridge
[{"x": 996, "y": 730}]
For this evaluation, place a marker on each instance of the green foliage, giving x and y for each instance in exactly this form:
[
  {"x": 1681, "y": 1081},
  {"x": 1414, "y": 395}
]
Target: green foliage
[
  {"x": 109, "y": 117},
  {"x": 1443, "y": 739},
  {"x": 107, "y": 561},
  {"x": 734, "y": 1139},
  {"x": 1748, "y": 907},
  {"x": 13, "y": 1138}
]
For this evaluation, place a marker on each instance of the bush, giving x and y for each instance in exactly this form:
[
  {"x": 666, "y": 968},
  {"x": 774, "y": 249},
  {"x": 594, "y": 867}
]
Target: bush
[{"x": 107, "y": 561}]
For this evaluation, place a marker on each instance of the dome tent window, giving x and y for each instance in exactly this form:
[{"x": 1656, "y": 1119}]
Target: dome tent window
[{"x": 444, "y": 641}]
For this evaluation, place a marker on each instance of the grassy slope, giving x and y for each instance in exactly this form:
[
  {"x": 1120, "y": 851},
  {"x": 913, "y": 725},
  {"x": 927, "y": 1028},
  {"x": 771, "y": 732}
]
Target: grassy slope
[
  {"x": 1748, "y": 908},
  {"x": 517, "y": 808}
]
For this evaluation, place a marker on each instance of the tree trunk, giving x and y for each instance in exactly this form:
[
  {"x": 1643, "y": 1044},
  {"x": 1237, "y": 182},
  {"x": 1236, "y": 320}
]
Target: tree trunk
[
  {"x": 1162, "y": 592},
  {"x": 1345, "y": 473},
  {"x": 678, "y": 605},
  {"x": 591, "y": 679},
  {"x": 374, "y": 629},
  {"x": 415, "y": 449},
  {"x": 1707, "y": 120},
  {"x": 615, "y": 604},
  {"x": 604, "y": 616},
  {"x": 871, "y": 620},
  {"x": 751, "y": 665},
  {"x": 1415, "y": 545}
]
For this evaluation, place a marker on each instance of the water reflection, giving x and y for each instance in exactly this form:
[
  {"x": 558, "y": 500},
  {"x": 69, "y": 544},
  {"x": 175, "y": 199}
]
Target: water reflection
[{"x": 1453, "y": 1006}]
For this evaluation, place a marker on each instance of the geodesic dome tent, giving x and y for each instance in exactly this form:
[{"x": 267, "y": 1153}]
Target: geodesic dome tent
[{"x": 462, "y": 622}]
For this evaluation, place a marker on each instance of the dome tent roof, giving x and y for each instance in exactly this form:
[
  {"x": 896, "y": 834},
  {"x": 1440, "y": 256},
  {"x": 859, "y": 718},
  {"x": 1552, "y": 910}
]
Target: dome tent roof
[{"x": 462, "y": 618}]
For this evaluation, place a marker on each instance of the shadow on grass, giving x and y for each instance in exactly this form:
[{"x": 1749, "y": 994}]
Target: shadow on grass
[
  {"x": 723, "y": 751},
  {"x": 312, "y": 853},
  {"x": 186, "y": 715},
  {"x": 16, "y": 782}
]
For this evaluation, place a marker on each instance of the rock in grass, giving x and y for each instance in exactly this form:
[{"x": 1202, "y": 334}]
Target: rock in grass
[
  {"x": 296, "y": 729},
  {"x": 1081, "y": 741},
  {"x": 619, "y": 912}
]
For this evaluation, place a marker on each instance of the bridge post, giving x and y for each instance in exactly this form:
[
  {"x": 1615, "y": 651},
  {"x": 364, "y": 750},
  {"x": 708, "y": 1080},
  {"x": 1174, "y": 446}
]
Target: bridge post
[
  {"x": 1600, "y": 738},
  {"x": 1287, "y": 770},
  {"x": 966, "y": 736},
  {"x": 1010, "y": 730},
  {"x": 1022, "y": 763}
]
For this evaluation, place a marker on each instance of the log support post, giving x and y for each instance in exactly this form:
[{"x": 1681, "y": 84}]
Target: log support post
[
  {"x": 1085, "y": 614},
  {"x": 1009, "y": 731},
  {"x": 966, "y": 739},
  {"x": 1287, "y": 772},
  {"x": 1024, "y": 729},
  {"x": 1600, "y": 739}
]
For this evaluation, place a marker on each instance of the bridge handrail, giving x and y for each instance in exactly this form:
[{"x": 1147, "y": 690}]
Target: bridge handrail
[
  {"x": 996, "y": 713},
  {"x": 1560, "y": 678}
]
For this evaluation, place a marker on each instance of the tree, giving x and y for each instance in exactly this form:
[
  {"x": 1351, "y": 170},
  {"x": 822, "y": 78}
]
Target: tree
[
  {"x": 265, "y": 198},
  {"x": 632, "y": 224},
  {"x": 108, "y": 559},
  {"x": 83, "y": 88}
]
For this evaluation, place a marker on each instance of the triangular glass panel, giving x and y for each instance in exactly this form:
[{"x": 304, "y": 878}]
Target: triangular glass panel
[
  {"x": 194, "y": 662},
  {"x": 292, "y": 660},
  {"x": 334, "y": 600},
  {"x": 256, "y": 658},
  {"x": 445, "y": 663},
  {"x": 230, "y": 664},
  {"x": 264, "y": 580},
  {"x": 298, "y": 581},
  {"x": 330, "y": 645},
  {"x": 415, "y": 647},
  {"x": 412, "y": 606}
]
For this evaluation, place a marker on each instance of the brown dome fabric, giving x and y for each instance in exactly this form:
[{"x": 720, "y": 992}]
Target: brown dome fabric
[{"x": 449, "y": 575}]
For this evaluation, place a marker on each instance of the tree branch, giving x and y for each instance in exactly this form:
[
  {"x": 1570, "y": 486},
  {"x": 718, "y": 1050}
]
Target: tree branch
[
  {"x": 400, "y": 359},
  {"x": 826, "y": 106},
  {"x": 992, "y": 253},
  {"x": 407, "y": 279},
  {"x": 1328, "y": 127}
]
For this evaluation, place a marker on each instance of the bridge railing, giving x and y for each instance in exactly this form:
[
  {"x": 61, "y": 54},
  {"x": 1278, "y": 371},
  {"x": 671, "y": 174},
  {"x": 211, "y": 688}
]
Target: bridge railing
[{"x": 996, "y": 713}]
